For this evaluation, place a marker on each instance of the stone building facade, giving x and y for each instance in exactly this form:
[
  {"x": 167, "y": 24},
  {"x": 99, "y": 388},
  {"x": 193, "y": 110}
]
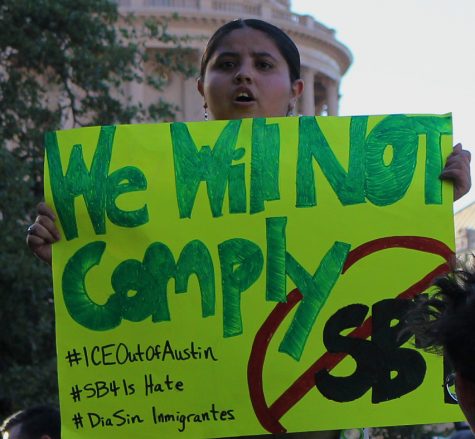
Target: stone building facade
[
  {"x": 324, "y": 59},
  {"x": 465, "y": 232}
]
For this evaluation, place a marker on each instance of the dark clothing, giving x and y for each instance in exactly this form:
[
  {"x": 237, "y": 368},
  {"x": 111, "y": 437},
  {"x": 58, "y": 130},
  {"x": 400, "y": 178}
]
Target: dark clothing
[{"x": 462, "y": 434}]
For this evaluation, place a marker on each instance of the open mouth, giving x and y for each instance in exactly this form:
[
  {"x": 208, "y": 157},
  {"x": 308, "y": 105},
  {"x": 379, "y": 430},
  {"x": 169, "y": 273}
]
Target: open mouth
[{"x": 244, "y": 97}]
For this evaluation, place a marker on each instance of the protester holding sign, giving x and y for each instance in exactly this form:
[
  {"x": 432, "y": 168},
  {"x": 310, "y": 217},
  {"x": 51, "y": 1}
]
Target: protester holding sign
[{"x": 250, "y": 69}]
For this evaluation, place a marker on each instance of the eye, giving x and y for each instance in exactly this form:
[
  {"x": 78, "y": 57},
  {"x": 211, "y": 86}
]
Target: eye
[
  {"x": 264, "y": 65},
  {"x": 226, "y": 65}
]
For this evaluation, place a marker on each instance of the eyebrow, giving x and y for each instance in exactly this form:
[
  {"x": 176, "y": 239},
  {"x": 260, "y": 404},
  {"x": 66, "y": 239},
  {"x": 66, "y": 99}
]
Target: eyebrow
[
  {"x": 254, "y": 54},
  {"x": 262, "y": 54}
]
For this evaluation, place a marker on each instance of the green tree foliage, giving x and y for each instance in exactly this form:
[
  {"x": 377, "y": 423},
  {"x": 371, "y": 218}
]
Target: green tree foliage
[
  {"x": 60, "y": 61},
  {"x": 27, "y": 350}
]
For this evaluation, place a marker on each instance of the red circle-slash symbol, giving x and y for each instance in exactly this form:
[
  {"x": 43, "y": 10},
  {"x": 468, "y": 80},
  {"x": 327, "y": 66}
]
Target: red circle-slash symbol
[{"x": 269, "y": 416}]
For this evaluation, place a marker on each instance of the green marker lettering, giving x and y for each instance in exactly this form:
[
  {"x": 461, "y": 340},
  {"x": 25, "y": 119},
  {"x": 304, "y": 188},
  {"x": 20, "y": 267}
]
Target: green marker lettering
[
  {"x": 348, "y": 186},
  {"x": 264, "y": 164},
  {"x": 315, "y": 290},
  {"x": 79, "y": 304},
  {"x": 433, "y": 128},
  {"x": 276, "y": 279},
  {"x": 193, "y": 166},
  {"x": 241, "y": 264},
  {"x": 386, "y": 184},
  {"x": 98, "y": 188}
]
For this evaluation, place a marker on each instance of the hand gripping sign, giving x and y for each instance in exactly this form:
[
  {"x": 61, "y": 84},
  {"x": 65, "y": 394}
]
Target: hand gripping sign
[{"x": 181, "y": 242}]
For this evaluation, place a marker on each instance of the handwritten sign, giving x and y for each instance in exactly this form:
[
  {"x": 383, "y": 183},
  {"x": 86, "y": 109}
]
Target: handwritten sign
[{"x": 250, "y": 276}]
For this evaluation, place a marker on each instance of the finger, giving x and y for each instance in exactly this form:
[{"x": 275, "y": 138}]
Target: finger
[
  {"x": 49, "y": 225},
  {"x": 459, "y": 153},
  {"x": 459, "y": 178},
  {"x": 466, "y": 155},
  {"x": 455, "y": 175},
  {"x": 460, "y": 163},
  {"x": 462, "y": 167},
  {"x": 460, "y": 156},
  {"x": 34, "y": 242},
  {"x": 38, "y": 230},
  {"x": 459, "y": 169},
  {"x": 39, "y": 248},
  {"x": 44, "y": 209}
]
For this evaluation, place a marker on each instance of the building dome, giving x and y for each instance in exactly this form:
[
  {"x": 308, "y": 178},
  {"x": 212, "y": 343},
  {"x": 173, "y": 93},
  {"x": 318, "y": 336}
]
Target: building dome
[{"x": 324, "y": 59}]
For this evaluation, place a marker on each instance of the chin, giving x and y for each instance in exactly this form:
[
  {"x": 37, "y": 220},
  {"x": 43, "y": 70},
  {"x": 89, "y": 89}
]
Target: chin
[
  {"x": 245, "y": 113},
  {"x": 235, "y": 116}
]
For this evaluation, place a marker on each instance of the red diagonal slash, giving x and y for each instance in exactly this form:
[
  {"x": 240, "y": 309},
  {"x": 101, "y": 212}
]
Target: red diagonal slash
[{"x": 269, "y": 417}]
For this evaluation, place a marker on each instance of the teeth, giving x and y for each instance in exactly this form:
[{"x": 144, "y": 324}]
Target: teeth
[{"x": 243, "y": 95}]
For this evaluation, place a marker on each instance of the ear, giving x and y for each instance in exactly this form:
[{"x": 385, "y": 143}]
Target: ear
[
  {"x": 199, "y": 85},
  {"x": 297, "y": 88}
]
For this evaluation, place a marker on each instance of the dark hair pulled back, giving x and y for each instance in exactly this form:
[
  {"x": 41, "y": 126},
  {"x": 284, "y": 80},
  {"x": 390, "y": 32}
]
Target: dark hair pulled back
[{"x": 286, "y": 46}]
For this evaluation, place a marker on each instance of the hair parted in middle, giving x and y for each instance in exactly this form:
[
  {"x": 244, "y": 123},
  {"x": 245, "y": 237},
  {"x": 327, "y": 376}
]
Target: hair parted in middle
[{"x": 284, "y": 43}]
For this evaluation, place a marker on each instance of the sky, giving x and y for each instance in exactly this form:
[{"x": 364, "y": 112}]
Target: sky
[{"x": 409, "y": 56}]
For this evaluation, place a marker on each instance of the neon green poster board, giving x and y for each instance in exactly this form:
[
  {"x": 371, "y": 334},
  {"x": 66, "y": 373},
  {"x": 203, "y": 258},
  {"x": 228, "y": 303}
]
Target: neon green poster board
[{"x": 244, "y": 277}]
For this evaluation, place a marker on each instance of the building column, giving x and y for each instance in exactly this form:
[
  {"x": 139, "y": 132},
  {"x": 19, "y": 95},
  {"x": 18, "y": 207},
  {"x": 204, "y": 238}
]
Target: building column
[
  {"x": 332, "y": 97},
  {"x": 308, "y": 97},
  {"x": 192, "y": 102},
  {"x": 206, "y": 5},
  {"x": 266, "y": 11}
]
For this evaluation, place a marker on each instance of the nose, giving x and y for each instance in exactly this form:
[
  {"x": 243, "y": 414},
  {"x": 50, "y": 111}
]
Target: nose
[
  {"x": 243, "y": 75},
  {"x": 242, "y": 78}
]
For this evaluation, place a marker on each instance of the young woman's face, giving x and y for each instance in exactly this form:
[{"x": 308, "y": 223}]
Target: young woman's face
[{"x": 248, "y": 77}]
